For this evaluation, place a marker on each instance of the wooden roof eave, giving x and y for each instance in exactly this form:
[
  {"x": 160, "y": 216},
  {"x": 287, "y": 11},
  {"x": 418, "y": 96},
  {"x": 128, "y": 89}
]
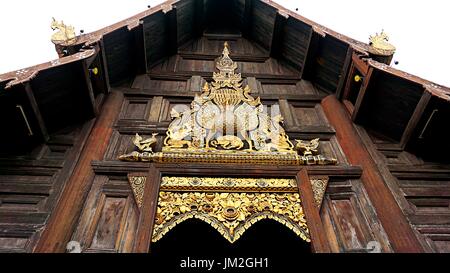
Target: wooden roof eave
[
  {"x": 363, "y": 49},
  {"x": 130, "y": 23},
  {"x": 86, "y": 40},
  {"x": 320, "y": 29},
  {"x": 26, "y": 74},
  {"x": 433, "y": 88},
  {"x": 23, "y": 75}
]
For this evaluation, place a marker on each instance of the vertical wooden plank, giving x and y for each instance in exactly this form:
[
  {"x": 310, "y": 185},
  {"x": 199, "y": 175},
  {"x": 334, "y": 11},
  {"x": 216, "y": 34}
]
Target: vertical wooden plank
[
  {"x": 344, "y": 71},
  {"x": 415, "y": 118},
  {"x": 315, "y": 226},
  {"x": 140, "y": 56},
  {"x": 362, "y": 93},
  {"x": 147, "y": 215},
  {"x": 199, "y": 18},
  {"x": 253, "y": 84},
  {"x": 64, "y": 218},
  {"x": 307, "y": 50},
  {"x": 346, "y": 91},
  {"x": 104, "y": 66},
  {"x": 400, "y": 233},
  {"x": 37, "y": 113},
  {"x": 247, "y": 17},
  {"x": 90, "y": 90},
  {"x": 155, "y": 109},
  {"x": 171, "y": 21},
  {"x": 287, "y": 114},
  {"x": 277, "y": 34},
  {"x": 309, "y": 67}
]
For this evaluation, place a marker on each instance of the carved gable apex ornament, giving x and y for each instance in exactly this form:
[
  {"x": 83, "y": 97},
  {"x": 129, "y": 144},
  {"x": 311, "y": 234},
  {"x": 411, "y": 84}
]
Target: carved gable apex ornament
[
  {"x": 65, "y": 34},
  {"x": 379, "y": 44},
  {"x": 225, "y": 124}
]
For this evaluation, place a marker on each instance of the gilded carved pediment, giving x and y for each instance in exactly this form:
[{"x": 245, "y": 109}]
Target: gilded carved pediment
[
  {"x": 225, "y": 124},
  {"x": 230, "y": 205}
]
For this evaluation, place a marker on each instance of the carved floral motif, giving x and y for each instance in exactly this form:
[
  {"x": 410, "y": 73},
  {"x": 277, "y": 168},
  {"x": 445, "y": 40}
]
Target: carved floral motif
[{"x": 230, "y": 213}]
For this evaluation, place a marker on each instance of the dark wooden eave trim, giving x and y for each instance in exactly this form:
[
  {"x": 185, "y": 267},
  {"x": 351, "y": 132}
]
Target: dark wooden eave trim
[
  {"x": 26, "y": 74},
  {"x": 277, "y": 34}
]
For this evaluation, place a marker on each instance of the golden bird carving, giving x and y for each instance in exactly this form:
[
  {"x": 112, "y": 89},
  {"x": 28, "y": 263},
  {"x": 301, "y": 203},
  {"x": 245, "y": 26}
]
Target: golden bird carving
[
  {"x": 145, "y": 145},
  {"x": 307, "y": 147}
]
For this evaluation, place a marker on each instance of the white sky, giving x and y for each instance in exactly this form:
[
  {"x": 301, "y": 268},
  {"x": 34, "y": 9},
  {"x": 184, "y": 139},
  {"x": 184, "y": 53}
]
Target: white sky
[{"x": 419, "y": 29}]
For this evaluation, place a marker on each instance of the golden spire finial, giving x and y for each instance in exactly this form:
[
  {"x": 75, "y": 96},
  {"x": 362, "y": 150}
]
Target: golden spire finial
[
  {"x": 226, "y": 49},
  {"x": 225, "y": 65}
]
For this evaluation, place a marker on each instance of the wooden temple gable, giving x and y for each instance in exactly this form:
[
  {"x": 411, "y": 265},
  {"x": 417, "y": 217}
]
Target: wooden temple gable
[{"x": 63, "y": 181}]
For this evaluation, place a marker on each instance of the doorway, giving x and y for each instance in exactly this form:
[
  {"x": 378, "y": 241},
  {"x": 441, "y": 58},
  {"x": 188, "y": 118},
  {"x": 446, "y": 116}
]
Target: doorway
[{"x": 194, "y": 240}]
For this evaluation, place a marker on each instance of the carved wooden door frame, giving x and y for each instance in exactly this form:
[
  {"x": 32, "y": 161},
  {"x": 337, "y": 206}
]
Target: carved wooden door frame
[{"x": 142, "y": 243}]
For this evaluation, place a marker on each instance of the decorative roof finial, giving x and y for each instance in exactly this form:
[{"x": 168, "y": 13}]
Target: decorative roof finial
[
  {"x": 379, "y": 44},
  {"x": 225, "y": 65},
  {"x": 65, "y": 33}
]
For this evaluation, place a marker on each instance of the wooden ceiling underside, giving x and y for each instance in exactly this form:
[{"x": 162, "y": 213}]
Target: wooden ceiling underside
[{"x": 397, "y": 105}]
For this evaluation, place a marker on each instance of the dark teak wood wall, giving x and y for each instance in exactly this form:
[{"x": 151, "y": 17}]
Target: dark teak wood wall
[
  {"x": 387, "y": 186},
  {"x": 349, "y": 218}
]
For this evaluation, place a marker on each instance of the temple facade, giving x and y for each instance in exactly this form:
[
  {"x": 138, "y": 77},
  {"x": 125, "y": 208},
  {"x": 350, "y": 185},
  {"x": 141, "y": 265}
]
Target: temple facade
[{"x": 222, "y": 124}]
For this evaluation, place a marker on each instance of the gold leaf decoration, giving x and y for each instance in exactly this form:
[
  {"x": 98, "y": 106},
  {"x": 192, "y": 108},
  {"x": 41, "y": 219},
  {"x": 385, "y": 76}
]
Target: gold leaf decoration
[
  {"x": 230, "y": 213},
  {"x": 379, "y": 44},
  {"x": 225, "y": 124},
  {"x": 64, "y": 33},
  {"x": 319, "y": 186},
  {"x": 137, "y": 184}
]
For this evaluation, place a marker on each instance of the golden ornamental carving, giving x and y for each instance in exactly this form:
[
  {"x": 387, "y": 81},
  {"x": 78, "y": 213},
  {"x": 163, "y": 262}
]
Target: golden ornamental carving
[
  {"x": 145, "y": 145},
  {"x": 230, "y": 213},
  {"x": 225, "y": 124},
  {"x": 307, "y": 147},
  {"x": 65, "y": 33},
  {"x": 379, "y": 44},
  {"x": 231, "y": 182},
  {"x": 319, "y": 186},
  {"x": 137, "y": 184},
  {"x": 228, "y": 184}
]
